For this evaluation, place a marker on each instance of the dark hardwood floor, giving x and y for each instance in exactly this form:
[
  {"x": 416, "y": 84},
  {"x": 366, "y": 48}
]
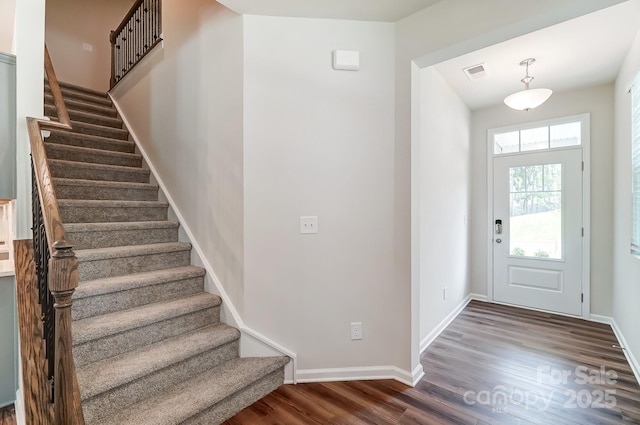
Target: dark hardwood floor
[
  {"x": 493, "y": 365},
  {"x": 8, "y": 416}
]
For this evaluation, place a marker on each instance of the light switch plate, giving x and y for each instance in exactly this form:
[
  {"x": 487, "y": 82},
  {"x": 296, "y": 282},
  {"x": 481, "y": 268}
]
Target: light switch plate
[{"x": 308, "y": 224}]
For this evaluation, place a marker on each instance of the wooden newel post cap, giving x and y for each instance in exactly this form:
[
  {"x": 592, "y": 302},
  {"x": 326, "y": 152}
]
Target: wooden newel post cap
[{"x": 63, "y": 247}]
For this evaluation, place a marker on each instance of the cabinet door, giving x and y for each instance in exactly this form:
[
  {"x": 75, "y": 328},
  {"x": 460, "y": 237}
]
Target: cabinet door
[{"x": 7, "y": 126}]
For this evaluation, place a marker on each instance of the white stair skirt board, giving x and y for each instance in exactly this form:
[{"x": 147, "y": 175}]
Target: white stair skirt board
[
  {"x": 361, "y": 374},
  {"x": 633, "y": 362},
  {"x": 252, "y": 343}
]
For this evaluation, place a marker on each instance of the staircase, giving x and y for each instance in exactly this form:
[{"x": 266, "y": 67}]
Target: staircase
[{"x": 148, "y": 343}]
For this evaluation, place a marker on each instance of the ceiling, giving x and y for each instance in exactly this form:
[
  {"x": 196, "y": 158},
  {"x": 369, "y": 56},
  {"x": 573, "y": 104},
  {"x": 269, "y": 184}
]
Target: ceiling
[
  {"x": 581, "y": 52},
  {"x": 361, "y": 10}
]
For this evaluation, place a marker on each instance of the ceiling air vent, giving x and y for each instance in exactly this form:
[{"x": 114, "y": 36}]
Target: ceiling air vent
[{"x": 476, "y": 72}]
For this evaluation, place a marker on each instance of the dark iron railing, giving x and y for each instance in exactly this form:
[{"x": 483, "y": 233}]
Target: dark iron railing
[
  {"x": 139, "y": 32},
  {"x": 41, "y": 258}
]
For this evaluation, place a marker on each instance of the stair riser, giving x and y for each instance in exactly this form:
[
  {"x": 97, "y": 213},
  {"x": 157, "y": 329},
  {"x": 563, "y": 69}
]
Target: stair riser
[
  {"x": 73, "y": 171},
  {"x": 109, "y": 238},
  {"x": 50, "y": 111},
  {"x": 106, "y": 111},
  {"x": 113, "y": 345},
  {"x": 157, "y": 382},
  {"x": 102, "y": 131},
  {"x": 74, "y": 214},
  {"x": 103, "y": 193},
  {"x": 111, "y": 267},
  {"x": 80, "y": 96},
  {"x": 75, "y": 139},
  {"x": 57, "y": 151},
  {"x": 228, "y": 407},
  {"x": 123, "y": 300}
]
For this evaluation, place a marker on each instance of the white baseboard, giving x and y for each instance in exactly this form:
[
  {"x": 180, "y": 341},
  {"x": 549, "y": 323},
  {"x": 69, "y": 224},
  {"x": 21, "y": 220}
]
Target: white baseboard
[
  {"x": 19, "y": 407},
  {"x": 361, "y": 374},
  {"x": 633, "y": 362},
  {"x": 622, "y": 341},
  {"x": 479, "y": 297},
  {"x": 252, "y": 342},
  {"x": 428, "y": 340}
]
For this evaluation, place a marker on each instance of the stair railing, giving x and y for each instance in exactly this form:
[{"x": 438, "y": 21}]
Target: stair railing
[
  {"x": 56, "y": 267},
  {"x": 139, "y": 32}
]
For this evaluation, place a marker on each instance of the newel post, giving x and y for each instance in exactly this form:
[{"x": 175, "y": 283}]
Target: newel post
[
  {"x": 63, "y": 280},
  {"x": 112, "y": 40}
]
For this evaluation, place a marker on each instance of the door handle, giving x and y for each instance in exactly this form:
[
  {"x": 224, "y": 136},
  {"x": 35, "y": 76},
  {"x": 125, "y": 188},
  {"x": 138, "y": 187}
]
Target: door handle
[{"x": 498, "y": 227}]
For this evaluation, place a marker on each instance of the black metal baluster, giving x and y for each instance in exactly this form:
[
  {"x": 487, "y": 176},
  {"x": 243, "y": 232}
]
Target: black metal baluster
[{"x": 41, "y": 257}]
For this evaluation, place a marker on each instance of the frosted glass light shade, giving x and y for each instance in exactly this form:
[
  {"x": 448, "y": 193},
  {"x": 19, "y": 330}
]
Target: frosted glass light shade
[{"x": 527, "y": 99}]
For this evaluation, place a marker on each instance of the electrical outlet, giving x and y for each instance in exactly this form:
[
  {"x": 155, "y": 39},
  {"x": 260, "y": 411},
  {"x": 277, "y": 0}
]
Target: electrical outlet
[{"x": 356, "y": 330}]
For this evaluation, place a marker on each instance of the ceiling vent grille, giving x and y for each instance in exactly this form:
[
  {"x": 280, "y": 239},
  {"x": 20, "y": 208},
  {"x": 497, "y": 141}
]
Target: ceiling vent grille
[{"x": 476, "y": 72}]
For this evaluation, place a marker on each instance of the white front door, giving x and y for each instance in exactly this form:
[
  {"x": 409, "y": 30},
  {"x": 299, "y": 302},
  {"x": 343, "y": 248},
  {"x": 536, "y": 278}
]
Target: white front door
[{"x": 537, "y": 237}]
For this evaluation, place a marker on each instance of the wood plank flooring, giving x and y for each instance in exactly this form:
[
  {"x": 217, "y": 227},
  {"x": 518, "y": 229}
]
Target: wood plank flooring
[
  {"x": 8, "y": 415},
  {"x": 493, "y": 365}
]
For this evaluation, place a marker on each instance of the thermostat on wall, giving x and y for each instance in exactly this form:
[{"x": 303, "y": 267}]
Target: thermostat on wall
[{"x": 346, "y": 60}]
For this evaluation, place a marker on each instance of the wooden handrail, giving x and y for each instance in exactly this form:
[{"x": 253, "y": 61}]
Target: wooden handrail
[
  {"x": 63, "y": 115},
  {"x": 127, "y": 17},
  {"x": 62, "y": 267}
]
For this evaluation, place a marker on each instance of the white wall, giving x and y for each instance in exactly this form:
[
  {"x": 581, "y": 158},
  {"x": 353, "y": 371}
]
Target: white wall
[
  {"x": 185, "y": 106},
  {"x": 440, "y": 32},
  {"x": 444, "y": 177},
  {"x": 626, "y": 268},
  {"x": 596, "y": 100},
  {"x": 320, "y": 142},
  {"x": 7, "y": 20},
  {"x": 72, "y": 23}
]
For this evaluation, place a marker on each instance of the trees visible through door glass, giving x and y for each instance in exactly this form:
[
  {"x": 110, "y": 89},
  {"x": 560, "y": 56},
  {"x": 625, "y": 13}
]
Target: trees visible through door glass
[{"x": 536, "y": 211}]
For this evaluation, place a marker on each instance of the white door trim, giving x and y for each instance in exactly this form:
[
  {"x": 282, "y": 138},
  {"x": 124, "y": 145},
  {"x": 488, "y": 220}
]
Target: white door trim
[{"x": 585, "y": 119}]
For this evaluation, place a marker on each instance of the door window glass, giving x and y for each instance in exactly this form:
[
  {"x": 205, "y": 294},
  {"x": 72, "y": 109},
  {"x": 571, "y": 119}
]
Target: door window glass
[{"x": 535, "y": 221}]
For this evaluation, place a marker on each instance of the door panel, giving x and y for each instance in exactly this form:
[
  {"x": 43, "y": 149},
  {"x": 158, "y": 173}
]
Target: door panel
[{"x": 537, "y": 250}]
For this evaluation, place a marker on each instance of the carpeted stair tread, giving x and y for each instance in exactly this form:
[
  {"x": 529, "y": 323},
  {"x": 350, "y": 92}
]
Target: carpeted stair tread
[
  {"x": 109, "y": 285},
  {"x": 104, "y": 375},
  {"x": 97, "y": 327},
  {"x": 104, "y": 190},
  {"x": 66, "y": 137},
  {"x": 125, "y": 260},
  {"x": 64, "y": 86},
  {"x": 86, "y": 171},
  {"x": 99, "y": 130},
  {"x": 110, "y": 234},
  {"x": 128, "y": 251},
  {"x": 92, "y": 155},
  {"x": 84, "y": 116},
  {"x": 98, "y": 98},
  {"x": 92, "y": 211},
  {"x": 111, "y": 294},
  {"x": 79, "y": 105},
  {"x": 188, "y": 399}
]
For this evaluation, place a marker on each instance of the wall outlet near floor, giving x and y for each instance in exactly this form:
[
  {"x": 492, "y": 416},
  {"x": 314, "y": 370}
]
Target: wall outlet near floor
[{"x": 356, "y": 330}]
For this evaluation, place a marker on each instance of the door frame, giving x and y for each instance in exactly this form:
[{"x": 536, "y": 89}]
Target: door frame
[{"x": 585, "y": 120}]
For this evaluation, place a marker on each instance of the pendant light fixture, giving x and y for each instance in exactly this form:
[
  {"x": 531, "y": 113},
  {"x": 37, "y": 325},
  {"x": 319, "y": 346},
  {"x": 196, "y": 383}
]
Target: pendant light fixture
[{"x": 528, "y": 98}]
